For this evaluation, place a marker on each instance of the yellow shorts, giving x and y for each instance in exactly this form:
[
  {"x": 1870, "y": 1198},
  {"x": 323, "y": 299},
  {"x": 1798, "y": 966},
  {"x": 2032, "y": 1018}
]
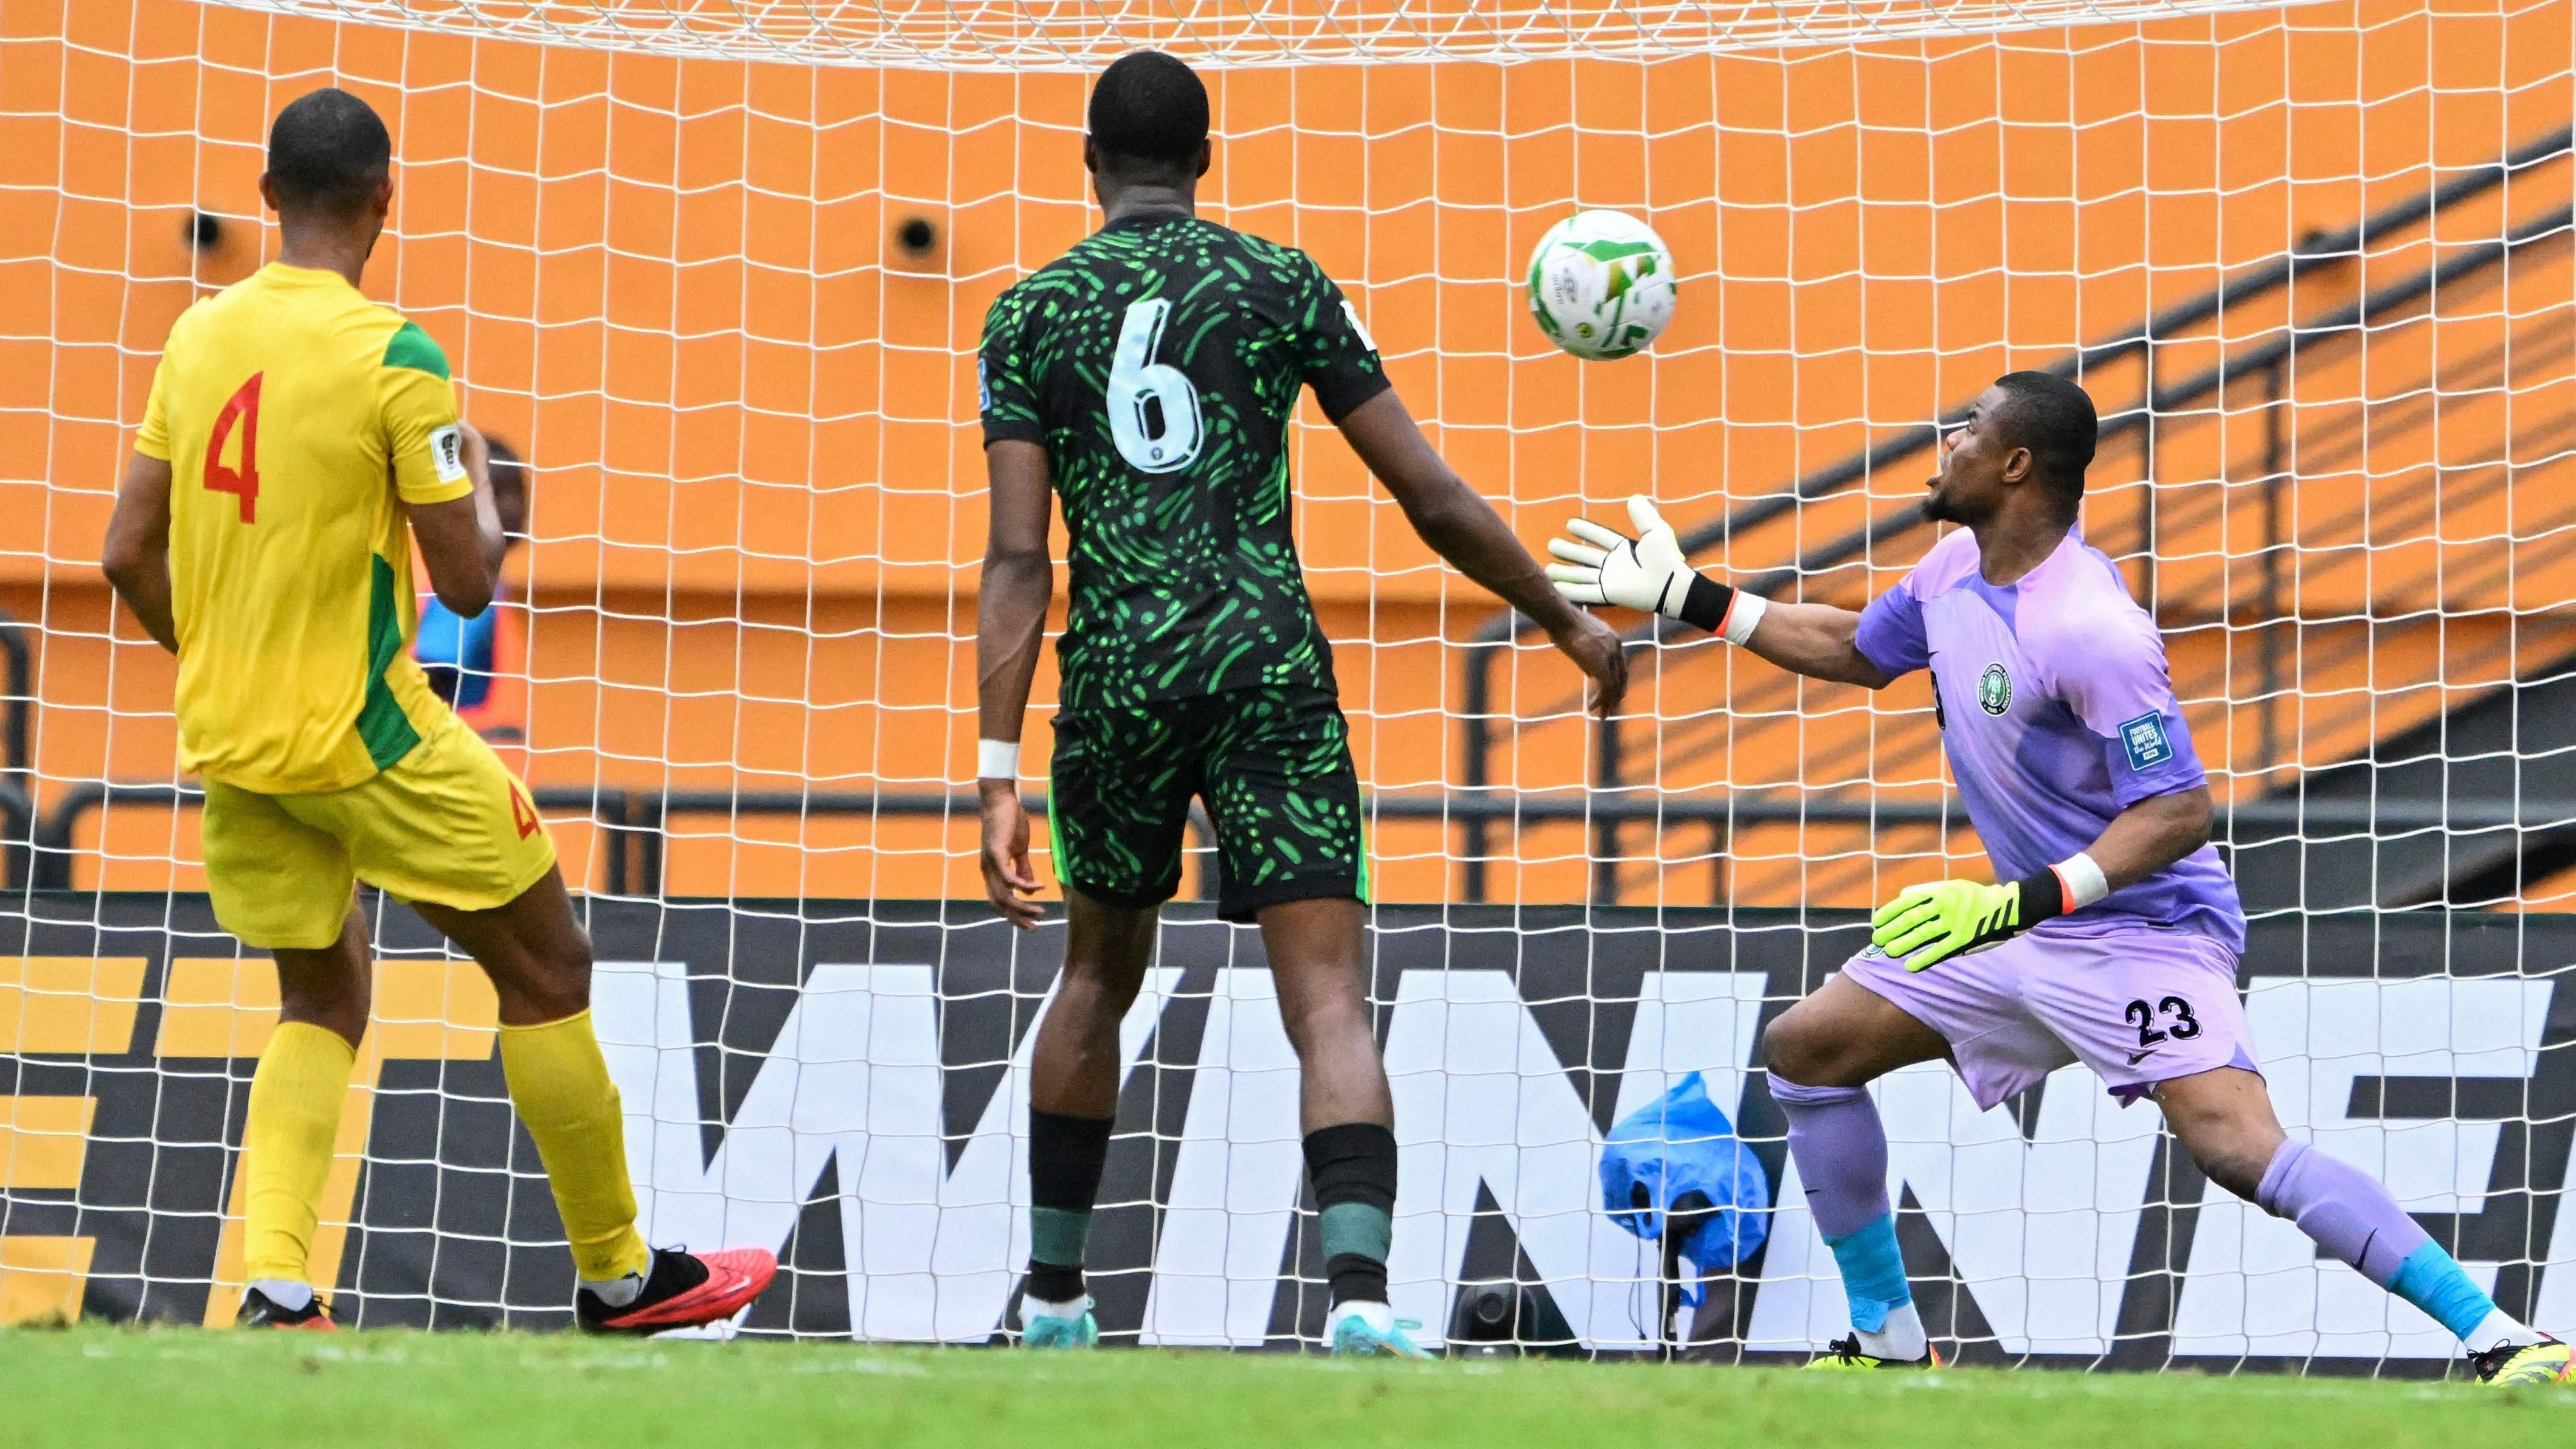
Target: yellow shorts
[{"x": 447, "y": 824}]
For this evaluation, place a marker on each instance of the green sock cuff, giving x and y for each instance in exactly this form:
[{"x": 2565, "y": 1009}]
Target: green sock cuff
[
  {"x": 1058, "y": 1236},
  {"x": 1357, "y": 1228}
]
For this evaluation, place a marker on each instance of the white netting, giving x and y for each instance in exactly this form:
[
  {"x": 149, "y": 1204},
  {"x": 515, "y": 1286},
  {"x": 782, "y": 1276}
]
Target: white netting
[
  {"x": 991, "y": 34},
  {"x": 718, "y": 271}
]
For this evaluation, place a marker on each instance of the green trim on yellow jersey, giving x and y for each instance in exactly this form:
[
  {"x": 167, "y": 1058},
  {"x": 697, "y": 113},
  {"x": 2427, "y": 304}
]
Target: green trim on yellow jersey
[
  {"x": 410, "y": 347},
  {"x": 382, "y": 724},
  {"x": 278, "y": 617}
]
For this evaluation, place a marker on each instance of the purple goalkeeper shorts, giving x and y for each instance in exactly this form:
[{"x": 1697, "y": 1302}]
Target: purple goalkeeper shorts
[{"x": 2138, "y": 1007}]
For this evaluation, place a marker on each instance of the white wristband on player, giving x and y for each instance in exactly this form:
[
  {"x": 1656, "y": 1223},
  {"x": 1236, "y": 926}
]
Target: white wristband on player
[
  {"x": 1741, "y": 618},
  {"x": 1722, "y": 609},
  {"x": 2084, "y": 880},
  {"x": 997, "y": 760}
]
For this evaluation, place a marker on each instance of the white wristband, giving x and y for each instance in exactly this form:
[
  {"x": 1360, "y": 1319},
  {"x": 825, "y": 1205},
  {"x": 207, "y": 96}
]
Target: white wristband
[
  {"x": 2085, "y": 883},
  {"x": 1743, "y": 615},
  {"x": 997, "y": 760}
]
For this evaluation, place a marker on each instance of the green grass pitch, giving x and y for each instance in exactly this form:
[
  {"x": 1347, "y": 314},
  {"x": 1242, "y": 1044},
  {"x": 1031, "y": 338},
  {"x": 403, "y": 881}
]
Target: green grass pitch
[{"x": 95, "y": 1386}]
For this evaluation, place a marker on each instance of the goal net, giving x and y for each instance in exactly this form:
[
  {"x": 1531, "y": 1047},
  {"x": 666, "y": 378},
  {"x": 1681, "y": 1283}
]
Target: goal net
[{"x": 716, "y": 272}]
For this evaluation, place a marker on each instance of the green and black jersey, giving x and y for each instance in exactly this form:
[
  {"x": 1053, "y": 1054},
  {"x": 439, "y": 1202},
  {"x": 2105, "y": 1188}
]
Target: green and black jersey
[{"x": 1158, "y": 362}]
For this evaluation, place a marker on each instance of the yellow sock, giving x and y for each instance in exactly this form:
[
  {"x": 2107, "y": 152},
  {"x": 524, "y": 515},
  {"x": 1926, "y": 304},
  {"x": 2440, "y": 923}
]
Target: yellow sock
[
  {"x": 560, "y": 1084},
  {"x": 295, "y": 1101}
]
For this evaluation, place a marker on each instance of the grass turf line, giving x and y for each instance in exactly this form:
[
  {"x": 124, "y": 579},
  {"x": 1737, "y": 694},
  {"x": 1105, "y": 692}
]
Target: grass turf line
[{"x": 98, "y": 1386}]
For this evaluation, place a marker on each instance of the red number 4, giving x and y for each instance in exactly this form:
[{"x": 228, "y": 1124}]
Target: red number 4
[{"x": 242, "y": 483}]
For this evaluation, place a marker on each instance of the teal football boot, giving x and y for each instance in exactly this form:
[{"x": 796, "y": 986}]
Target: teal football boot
[
  {"x": 1059, "y": 1330},
  {"x": 1358, "y": 1332}
]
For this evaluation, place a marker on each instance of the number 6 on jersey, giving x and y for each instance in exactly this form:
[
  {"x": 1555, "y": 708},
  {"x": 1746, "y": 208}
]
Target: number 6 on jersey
[{"x": 1153, "y": 410}]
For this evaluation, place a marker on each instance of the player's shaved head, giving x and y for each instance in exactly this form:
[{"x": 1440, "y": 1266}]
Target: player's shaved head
[
  {"x": 2054, "y": 419},
  {"x": 328, "y": 152},
  {"x": 1149, "y": 113}
]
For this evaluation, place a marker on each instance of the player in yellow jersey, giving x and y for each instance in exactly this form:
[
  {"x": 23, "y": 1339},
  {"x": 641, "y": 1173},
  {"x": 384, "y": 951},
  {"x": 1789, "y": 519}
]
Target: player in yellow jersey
[{"x": 298, "y": 437}]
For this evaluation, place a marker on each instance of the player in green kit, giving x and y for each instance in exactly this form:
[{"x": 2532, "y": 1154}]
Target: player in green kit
[{"x": 1147, "y": 377}]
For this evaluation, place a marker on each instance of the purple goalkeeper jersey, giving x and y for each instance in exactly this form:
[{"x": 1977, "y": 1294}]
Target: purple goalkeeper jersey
[{"x": 2057, "y": 714}]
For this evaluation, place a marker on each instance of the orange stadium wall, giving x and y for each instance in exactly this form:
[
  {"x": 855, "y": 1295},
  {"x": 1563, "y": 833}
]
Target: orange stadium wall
[{"x": 757, "y": 479}]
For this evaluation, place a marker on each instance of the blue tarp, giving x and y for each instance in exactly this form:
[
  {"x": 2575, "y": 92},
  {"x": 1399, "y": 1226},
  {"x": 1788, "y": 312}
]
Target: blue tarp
[{"x": 1682, "y": 1143}]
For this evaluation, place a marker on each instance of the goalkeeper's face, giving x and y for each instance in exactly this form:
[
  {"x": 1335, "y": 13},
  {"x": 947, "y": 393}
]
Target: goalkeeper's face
[{"x": 1977, "y": 467}]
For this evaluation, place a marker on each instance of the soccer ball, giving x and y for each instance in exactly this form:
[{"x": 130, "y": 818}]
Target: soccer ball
[{"x": 1601, "y": 284}]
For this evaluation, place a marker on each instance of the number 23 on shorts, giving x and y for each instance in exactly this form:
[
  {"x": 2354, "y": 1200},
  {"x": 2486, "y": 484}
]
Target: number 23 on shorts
[{"x": 2180, "y": 1025}]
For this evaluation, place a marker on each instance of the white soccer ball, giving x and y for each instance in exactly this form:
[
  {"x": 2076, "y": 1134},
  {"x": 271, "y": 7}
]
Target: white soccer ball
[{"x": 1601, "y": 284}]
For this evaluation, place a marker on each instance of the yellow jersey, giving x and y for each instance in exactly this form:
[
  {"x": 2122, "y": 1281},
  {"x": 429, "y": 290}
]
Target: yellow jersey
[{"x": 294, "y": 413}]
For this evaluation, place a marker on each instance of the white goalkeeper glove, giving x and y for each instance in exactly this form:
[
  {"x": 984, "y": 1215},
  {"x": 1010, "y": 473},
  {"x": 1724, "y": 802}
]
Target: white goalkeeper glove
[{"x": 1603, "y": 566}]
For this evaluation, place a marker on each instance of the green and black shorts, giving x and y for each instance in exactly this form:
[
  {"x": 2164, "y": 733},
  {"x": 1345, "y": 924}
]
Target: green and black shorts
[{"x": 1273, "y": 764}]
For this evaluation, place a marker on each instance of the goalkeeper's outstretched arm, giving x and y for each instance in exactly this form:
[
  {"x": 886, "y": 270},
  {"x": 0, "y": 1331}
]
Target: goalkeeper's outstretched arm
[
  {"x": 1815, "y": 640},
  {"x": 1603, "y": 566}
]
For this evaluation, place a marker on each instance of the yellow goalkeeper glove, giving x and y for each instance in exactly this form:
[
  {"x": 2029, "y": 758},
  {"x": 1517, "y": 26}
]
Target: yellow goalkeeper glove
[{"x": 1928, "y": 924}]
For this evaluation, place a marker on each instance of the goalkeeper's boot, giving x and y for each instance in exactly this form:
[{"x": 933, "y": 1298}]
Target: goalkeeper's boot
[
  {"x": 258, "y": 1310},
  {"x": 1846, "y": 1354},
  {"x": 1371, "y": 1330},
  {"x": 1058, "y": 1325},
  {"x": 683, "y": 1290},
  {"x": 2508, "y": 1365}
]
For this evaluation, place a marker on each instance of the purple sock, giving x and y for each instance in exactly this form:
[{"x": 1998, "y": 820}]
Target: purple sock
[
  {"x": 1841, "y": 1152},
  {"x": 2350, "y": 1215}
]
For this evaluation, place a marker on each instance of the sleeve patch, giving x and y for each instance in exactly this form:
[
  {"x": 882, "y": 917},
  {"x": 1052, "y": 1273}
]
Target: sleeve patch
[
  {"x": 410, "y": 347},
  {"x": 447, "y": 453},
  {"x": 2144, "y": 739},
  {"x": 1352, "y": 315}
]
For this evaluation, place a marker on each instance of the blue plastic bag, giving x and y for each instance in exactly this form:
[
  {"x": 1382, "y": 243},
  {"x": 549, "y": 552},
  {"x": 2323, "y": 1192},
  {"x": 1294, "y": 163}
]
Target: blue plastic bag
[
  {"x": 1677, "y": 1144},
  {"x": 456, "y": 652}
]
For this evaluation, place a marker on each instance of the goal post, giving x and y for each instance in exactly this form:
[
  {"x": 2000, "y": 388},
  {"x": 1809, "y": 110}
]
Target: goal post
[{"x": 717, "y": 272}]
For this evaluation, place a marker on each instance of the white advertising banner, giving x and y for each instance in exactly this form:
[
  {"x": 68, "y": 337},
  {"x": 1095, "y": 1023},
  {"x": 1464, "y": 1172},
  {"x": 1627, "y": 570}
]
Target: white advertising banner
[{"x": 847, "y": 1083}]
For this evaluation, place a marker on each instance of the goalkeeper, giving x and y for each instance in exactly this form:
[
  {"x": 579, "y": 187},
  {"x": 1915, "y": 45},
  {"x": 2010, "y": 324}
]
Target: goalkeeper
[{"x": 2113, "y": 937}]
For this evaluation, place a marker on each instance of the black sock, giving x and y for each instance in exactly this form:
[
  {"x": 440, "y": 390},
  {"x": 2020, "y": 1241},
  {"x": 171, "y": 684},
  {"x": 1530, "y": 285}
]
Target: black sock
[
  {"x": 1353, "y": 1169},
  {"x": 1065, "y": 1154}
]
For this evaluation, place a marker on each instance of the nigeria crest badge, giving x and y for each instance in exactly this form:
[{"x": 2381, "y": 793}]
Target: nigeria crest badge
[{"x": 1994, "y": 689}]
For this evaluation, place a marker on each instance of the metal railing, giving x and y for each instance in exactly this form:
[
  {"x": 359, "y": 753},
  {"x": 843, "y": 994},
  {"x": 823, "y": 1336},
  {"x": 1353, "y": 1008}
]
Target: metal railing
[
  {"x": 17, "y": 751},
  {"x": 637, "y": 822},
  {"x": 17, "y": 832},
  {"x": 1486, "y": 646},
  {"x": 634, "y": 824},
  {"x": 17, "y": 754}
]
